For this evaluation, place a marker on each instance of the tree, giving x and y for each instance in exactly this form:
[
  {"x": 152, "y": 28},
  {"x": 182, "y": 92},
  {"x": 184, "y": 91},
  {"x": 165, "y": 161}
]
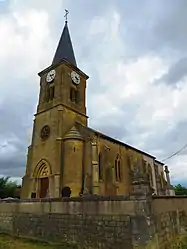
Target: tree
[
  {"x": 7, "y": 187},
  {"x": 180, "y": 190}
]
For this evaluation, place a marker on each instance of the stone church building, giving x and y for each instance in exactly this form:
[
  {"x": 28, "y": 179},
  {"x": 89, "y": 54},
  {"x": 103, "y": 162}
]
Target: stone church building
[{"x": 68, "y": 157}]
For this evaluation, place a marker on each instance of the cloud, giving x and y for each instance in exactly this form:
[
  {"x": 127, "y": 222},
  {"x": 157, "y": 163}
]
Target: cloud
[
  {"x": 138, "y": 104},
  {"x": 21, "y": 55},
  {"x": 135, "y": 55},
  {"x": 176, "y": 73}
]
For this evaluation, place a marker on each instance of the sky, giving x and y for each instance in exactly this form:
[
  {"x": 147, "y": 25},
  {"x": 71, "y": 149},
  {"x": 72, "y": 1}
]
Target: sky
[{"x": 135, "y": 53}]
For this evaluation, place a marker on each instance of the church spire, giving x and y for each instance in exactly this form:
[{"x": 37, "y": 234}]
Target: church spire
[{"x": 65, "y": 48}]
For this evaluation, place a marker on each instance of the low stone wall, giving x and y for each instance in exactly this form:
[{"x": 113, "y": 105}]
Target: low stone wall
[
  {"x": 93, "y": 223},
  {"x": 87, "y": 224},
  {"x": 170, "y": 215}
]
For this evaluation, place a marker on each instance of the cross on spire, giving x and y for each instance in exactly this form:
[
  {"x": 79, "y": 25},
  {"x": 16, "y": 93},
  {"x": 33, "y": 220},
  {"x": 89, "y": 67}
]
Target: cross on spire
[
  {"x": 66, "y": 15},
  {"x": 65, "y": 48}
]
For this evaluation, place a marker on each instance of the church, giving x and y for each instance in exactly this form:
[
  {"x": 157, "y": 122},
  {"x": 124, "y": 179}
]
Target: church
[{"x": 68, "y": 158}]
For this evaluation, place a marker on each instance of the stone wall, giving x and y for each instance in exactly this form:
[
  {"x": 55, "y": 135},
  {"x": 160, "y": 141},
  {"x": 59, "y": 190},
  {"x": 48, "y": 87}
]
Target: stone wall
[
  {"x": 87, "y": 224},
  {"x": 170, "y": 218},
  {"x": 95, "y": 222}
]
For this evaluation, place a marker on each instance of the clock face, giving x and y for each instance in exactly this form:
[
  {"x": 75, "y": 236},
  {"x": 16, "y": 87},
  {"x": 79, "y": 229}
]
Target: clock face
[
  {"x": 75, "y": 77},
  {"x": 51, "y": 75}
]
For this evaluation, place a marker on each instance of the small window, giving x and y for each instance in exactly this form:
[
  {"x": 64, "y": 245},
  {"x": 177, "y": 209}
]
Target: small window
[
  {"x": 74, "y": 95},
  {"x": 150, "y": 175},
  {"x": 116, "y": 170},
  {"x": 51, "y": 92},
  {"x": 47, "y": 94},
  {"x": 77, "y": 96},
  {"x": 100, "y": 167},
  {"x": 144, "y": 166},
  {"x": 119, "y": 170}
]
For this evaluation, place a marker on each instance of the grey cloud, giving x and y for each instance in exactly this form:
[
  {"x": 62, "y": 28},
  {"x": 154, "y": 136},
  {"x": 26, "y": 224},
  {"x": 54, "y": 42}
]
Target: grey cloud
[
  {"x": 176, "y": 73},
  {"x": 154, "y": 26},
  {"x": 13, "y": 167},
  {"x": 169, "y": 141},
  {"x": 16, "y": 115}
]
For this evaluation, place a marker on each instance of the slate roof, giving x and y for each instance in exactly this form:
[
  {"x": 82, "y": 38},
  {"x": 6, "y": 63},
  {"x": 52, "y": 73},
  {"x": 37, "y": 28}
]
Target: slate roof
[
  {"x": 88, "y": 131},
  {"x": 65, "y": 48}
]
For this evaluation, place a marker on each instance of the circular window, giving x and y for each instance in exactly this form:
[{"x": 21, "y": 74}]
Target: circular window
[{"x": 45, "y": 132}]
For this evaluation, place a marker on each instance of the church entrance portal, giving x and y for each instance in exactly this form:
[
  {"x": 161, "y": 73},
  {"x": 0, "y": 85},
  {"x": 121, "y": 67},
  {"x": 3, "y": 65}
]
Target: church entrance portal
[
  {"x": 66, "y": 192},
  {"x": 44, "y": 186},
  {"x": 42, "y": 174}
]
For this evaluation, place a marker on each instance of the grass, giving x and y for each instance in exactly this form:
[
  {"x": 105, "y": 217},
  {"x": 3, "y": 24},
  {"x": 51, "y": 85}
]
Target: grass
[{"x": 8, "y": 242}]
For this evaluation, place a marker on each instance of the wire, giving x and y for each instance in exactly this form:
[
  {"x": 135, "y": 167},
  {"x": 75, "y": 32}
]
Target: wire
[{"x": 176, "y": 153}]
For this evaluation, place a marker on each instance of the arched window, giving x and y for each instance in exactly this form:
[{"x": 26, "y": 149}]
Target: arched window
[
  {"x": 118, "y": 169},
  {"x": 150, "y": 175},
  {"x": 100, "y": 167},
  {"x": 77, "y": 96},
  {"x": 51, "y": 92},
  {"x": 143, "y": 166},
  {"x": 74, "y": 95},
  {"x": 47, "y": 96},
  {"x": 162, "y": 180}
]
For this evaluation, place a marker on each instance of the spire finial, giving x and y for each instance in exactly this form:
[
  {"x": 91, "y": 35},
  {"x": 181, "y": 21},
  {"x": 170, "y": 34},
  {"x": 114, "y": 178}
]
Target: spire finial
[
  {"x": 65, "y": 49},
  {"x": 66, "y": 15}
]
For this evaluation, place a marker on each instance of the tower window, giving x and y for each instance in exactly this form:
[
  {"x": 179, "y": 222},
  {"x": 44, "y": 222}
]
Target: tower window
[
  {"x": 74, "y": 95},
  {"x": 47, "y": 93},
  {"x": 51, "y": 92},
  {"x": 77, "y": 96}
]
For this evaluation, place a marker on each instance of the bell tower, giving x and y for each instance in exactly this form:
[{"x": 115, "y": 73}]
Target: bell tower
[
  {"x": 62, "y": 102},
  {"x": 63, "y": 83}
]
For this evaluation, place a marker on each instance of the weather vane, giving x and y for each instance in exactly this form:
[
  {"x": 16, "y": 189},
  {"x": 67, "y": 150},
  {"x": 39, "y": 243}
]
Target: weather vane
[{"x": 66, "y": 15}]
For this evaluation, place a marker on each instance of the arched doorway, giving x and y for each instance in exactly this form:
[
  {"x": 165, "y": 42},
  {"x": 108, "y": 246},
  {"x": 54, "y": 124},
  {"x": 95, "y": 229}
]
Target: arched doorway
[
  {"x": 42, "y": 173},
  {"x": 66, "y": 192}
]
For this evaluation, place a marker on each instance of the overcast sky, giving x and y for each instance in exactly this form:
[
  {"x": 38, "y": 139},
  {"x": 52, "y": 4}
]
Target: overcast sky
[{"x": 135, "y": 53}]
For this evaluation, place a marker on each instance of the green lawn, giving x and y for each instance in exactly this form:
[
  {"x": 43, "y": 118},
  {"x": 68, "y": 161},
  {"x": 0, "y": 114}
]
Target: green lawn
[{"x": 8, "y": 242}]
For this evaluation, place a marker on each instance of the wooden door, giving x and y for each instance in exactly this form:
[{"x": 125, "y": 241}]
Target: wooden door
[{"x": 44, "y": 185}]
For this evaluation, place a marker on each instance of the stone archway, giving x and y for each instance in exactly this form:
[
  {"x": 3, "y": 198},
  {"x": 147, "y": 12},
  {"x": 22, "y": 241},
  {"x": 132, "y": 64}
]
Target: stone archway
[{"x": 41, "y": 174}]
